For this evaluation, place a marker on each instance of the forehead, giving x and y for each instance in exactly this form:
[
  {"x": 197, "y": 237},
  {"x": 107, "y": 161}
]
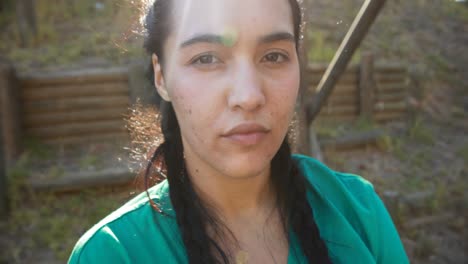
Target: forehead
[{"x": 241, "y": 18}]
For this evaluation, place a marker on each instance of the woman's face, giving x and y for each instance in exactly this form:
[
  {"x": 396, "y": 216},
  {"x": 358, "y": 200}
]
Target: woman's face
[{"x": 232, "y": 74}]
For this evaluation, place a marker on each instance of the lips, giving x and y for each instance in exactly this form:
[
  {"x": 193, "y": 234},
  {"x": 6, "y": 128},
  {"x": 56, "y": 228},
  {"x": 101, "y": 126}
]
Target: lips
[{"x": 246, "y": 134}]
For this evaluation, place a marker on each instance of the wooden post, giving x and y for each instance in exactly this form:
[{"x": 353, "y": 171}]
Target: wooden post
[
  {"x": 26, "y": 18},
  {"x": 9, "y": 109},
  {"x": 315, "y": 148},
  {"x": 3, "y": 179},
  {"x": 366, "y": 86},
  {"x": 361, "y": 24},
  {"x": 303, "y": 144}
]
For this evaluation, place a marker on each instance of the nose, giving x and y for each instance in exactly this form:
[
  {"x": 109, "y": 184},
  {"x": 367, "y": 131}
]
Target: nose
[{"x": 246, "y": 91}]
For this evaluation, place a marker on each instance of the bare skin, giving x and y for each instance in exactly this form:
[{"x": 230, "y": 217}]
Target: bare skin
[{"x": 232, "y": 75}]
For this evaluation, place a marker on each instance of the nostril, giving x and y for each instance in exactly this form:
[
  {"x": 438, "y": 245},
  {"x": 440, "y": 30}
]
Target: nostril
[{"x": 247, "y": 98}]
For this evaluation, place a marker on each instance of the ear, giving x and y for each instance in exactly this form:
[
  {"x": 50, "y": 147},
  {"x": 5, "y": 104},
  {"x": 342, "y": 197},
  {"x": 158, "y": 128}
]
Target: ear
[{"x": 159, "y": 78}]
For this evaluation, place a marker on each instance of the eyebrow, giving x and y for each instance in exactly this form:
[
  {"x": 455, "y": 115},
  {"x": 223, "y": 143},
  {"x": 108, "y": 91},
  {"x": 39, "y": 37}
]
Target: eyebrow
[
  {"x": 217, "y": 39},
  {"x": 277, "y": 36},
  {"x": 205, "y": 38}
]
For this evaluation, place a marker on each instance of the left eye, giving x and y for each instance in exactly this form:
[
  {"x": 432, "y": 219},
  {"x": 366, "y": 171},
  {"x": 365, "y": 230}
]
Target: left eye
[{"x": 275, "y": 57}]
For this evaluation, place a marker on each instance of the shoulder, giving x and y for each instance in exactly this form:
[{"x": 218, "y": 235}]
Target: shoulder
[
  {"x": 106, "y": 242},
  {"x": 350, "y": 215},
  {"x": 331, "y": 183},
  {"x": 333, "y": 193}
]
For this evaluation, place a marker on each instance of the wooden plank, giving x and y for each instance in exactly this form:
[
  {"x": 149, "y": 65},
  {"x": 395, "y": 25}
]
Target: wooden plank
[
  {"x": 333, "y": 118},
  {"x": 10, "y": 110},
  {"x": 358, "y": 30},
  {"x": 81, "y": 76},
  {"x": 390, "y": 77},
  {"x": 342, "y": 89},
  {"x": 75, "y": 140},
  {"x": 367, "y": 87},
  {"x": 390, "y": 68},
  {"x": 346, "y": 78},
  {"x": 338, "y": 99},
  {"x": 342, "y": 109},
  {"x": 320, "y": 68},
  {"x": 393, "y": 87},
  {"x": 391, "y": 97},
  {"x": 388, "y": 116},
  {"x": 353, "y": 140},
  {"x": 85, "y": 115},
  {"x": 396, "y": 74},
  {"x": 390, "y": 106},
  {"x": 97, "y": 103},
  {"x": 77, "y": 129},
  {"x": 66, "y": 91}
]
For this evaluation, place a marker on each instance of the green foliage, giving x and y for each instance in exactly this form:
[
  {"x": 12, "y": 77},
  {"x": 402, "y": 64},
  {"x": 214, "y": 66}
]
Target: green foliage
[
  {"x": 391, "y": 144},
  {"x": 439, "y": 199},
  {"x": 420, "y": 133},
  {"x": 46, "y": 220},
  {"x": 440, "y": 62},
  {"x": 16, "y": 178},
  {"x": 90, "y": 161},
  {"x": 425, "y": 248},
  {"x": 37, "y": 149},
  {"x": 69, "y": 31},
  {"x": 322, "y": 49},
  {"x": 319, "y": 48},
  {"x": 328, "y": 130},
  {"x": 55, "y": 172},
  {"x": 363, "y": 124},
  {"x": 333, "y": 129},
  {"x": 7, "y": 13},
  {"x": 463, "y": 153},
  {"x": 453, "y": 9}
]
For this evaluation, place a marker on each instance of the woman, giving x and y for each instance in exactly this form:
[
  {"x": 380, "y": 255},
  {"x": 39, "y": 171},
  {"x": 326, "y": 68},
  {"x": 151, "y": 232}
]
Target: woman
[{"x": 228, "y": 75}]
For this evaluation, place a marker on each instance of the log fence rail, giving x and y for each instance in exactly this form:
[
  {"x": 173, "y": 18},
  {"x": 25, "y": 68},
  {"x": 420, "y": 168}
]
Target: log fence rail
[{"x": 85, "y": 106}]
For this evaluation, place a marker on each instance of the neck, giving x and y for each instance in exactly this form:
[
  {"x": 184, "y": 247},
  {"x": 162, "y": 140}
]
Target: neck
[{"x": 233, "y": 197}]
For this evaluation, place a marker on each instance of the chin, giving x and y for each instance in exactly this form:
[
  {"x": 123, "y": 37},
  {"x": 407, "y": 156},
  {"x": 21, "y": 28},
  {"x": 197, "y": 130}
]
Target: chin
[{"x": 247, "y": 166}]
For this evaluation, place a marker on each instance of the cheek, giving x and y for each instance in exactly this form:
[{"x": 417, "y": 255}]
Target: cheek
[
  {"x": 194, "y": 106},
  {"x": 283, "y": 94}
]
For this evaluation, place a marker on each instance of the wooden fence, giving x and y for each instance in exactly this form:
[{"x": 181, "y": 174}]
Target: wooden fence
[
  {"x": 88, "y": 105},
  {"x": 75, "y": 106},
  {"x": 346, "y": 101}
]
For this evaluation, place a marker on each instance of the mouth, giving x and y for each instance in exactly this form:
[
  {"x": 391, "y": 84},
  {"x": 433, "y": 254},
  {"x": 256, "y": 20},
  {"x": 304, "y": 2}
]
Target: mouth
[{"x": 246, "y": 134}]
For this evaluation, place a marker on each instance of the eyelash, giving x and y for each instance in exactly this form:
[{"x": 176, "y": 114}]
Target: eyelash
[
  {"x": 197, "y": 60},
  {"x": 280, "y": 55}
]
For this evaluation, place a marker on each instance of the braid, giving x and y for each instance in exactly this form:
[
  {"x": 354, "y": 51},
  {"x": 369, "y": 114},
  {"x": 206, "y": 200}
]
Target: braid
[
  {"x": 294, "y": 206},
  {"x": 191, "y": 214}
]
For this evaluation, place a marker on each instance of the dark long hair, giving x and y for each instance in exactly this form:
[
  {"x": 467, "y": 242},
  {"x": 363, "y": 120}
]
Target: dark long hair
[{"x": 192, "y": 214}]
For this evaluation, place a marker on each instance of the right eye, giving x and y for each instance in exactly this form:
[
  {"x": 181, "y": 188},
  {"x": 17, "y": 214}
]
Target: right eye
[{"x": 205, "y": 59}]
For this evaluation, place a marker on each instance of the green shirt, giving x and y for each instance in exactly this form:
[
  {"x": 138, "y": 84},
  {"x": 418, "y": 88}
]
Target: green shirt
[{"x": 351, "y": 218}]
